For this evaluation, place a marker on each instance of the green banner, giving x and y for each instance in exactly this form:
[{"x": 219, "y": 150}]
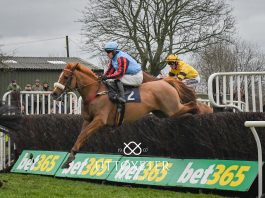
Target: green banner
[
  {"x": 90, "y": 166},
  {"x": 143, "y": 170},
  {"x": 39, "y": 162},
  {"x": 214, "y": 174},
  {"x": 196, "y": 173}
]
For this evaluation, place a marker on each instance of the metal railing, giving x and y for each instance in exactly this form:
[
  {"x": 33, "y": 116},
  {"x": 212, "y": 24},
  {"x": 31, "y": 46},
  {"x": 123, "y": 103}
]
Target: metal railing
[
  {"x": 40, "y": 102},
  {"x": 246, "y": 88},
  {"x": 5, "y": 148},
  {"x": 35, "y": 102},
  {"x": 252, "y": 125}
]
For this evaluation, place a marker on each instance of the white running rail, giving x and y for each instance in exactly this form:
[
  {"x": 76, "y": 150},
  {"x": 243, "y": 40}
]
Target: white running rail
[
  {"x": 241, "y": 90},
  {"x": 40, "y": 102},
  {"x": 252, "y": 125}
]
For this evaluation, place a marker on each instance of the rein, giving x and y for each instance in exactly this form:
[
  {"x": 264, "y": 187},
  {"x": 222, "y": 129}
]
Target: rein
[
  {"x": 82, "y": 86},
  {"x": 88, "y": 100}
]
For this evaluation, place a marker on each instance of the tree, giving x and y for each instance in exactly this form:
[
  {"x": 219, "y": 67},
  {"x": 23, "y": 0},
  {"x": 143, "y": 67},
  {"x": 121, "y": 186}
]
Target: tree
[
  {"x": 152, "y": 29},
  {"x": 236, "y": 56},
  {"x": 1, "y": 53}
]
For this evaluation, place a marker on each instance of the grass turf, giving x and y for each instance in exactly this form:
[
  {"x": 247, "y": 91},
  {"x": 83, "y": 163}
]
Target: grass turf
[{"x": 20, "y": 185}]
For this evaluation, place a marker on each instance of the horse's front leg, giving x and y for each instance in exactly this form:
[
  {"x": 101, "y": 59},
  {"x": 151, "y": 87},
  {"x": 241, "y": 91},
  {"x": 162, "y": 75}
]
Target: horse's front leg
[{"x": 86, "y": 132}]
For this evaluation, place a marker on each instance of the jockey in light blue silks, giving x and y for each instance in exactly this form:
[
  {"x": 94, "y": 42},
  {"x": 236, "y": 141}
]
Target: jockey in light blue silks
[{"x": 122, "y": 68}]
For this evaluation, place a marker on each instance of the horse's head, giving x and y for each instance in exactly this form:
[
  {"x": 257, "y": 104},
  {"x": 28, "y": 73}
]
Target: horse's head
[{"x": 66, "y": 82}]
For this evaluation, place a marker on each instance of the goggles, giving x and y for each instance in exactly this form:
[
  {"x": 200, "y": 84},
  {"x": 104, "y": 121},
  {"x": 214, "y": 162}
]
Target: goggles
[
  {"x": 171, "y": 63},
  {"x": 108, "y": 51}
]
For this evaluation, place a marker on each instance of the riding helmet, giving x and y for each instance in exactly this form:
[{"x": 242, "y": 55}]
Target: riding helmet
[
  {"x": 172, "y": 58},
  {"x": 111, "y": 46}
]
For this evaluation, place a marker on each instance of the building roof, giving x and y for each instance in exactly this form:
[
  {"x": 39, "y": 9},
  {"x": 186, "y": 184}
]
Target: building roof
[{"x": 41, "y": 63}]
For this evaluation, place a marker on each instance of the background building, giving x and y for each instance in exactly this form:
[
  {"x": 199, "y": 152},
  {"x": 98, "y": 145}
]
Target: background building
[{"x": 27, "y": 69}]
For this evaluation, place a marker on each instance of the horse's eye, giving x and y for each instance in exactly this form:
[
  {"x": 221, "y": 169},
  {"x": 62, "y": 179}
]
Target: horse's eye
[{"x": 65, "y": 77}]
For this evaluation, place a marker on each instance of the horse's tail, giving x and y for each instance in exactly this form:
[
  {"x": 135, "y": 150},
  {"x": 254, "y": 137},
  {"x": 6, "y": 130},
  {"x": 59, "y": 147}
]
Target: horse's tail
[
  {"x": 10, "y": 118},
  {"x": 186, "y": 93}
]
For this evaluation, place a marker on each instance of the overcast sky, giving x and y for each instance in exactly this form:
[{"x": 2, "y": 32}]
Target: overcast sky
[
  {"x": 39, "y": 27},
  {"x": 24, "y": 23}
]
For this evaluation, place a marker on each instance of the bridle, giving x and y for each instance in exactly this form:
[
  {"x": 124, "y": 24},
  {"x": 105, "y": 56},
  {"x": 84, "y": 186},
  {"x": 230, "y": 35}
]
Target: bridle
[{"x": 67, "y": 87}]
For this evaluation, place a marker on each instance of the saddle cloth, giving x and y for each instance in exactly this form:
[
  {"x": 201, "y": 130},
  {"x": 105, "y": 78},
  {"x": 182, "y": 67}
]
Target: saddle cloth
[{"x": 132, "y": 94}]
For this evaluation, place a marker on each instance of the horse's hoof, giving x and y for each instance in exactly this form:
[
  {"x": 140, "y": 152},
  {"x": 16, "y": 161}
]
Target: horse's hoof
[
  {"x": 68, "y": 161},
  {"x": 65, "y": 165},
  {"x": 30, "y": 156}
]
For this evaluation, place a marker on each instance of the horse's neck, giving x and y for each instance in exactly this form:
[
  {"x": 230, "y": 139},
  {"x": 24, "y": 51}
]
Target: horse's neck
[{"x": 88, "y": 86}]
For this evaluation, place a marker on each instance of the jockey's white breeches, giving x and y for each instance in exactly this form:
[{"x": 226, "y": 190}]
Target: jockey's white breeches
[
  {"x": 191, "y": 82},
  {"x": 133, "y": 80}
]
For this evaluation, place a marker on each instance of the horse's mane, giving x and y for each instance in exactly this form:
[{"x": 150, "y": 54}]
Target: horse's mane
[
  {"x": 82, "y": 68},
  {"x": 186, "y": 93}
]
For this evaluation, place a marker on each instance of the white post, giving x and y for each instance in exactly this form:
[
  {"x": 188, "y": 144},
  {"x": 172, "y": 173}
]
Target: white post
[
  {"x": 1, "y": 151},
  {"x": 252, "y": 125}
]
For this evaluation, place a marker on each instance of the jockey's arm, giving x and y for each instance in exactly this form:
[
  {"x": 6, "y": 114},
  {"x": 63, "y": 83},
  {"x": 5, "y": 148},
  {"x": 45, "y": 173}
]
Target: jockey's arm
[
  {"x": 179, "y": 76},
  {"x": 110, "y": 70},
  {"x": 171, "y": 74},
  {"x": 182, "y": 75},
  {"x": 122, "y": 68}
]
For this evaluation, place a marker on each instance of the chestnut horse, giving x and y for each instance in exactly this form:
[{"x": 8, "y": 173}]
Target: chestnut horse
[
  {"x": 98, "y": 110},
  {"x": 186, "y": 94}
]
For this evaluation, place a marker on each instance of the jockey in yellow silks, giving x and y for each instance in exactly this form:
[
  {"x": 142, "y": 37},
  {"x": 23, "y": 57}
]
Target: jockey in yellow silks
[{"x": 183, "y": 71}]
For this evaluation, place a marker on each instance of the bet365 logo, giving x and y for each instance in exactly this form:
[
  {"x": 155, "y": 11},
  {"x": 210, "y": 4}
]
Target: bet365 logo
[
  {"x": 220, "y": 174},
  {"x": 41, "y": 163}
]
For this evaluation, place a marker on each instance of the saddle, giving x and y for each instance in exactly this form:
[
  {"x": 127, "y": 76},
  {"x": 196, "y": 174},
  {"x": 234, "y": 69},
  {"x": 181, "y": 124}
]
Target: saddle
[{"x": 132, "y": 94}]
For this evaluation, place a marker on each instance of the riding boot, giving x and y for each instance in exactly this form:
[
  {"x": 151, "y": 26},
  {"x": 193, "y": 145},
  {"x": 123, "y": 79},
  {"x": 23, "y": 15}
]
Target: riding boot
[{"x": 121, "y": 97}]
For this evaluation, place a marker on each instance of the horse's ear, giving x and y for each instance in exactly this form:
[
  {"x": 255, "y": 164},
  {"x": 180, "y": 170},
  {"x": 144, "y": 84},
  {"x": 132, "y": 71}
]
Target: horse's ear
[
  {"x": 70, "y": 65},
  {"x": 67, "y": 66}
]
